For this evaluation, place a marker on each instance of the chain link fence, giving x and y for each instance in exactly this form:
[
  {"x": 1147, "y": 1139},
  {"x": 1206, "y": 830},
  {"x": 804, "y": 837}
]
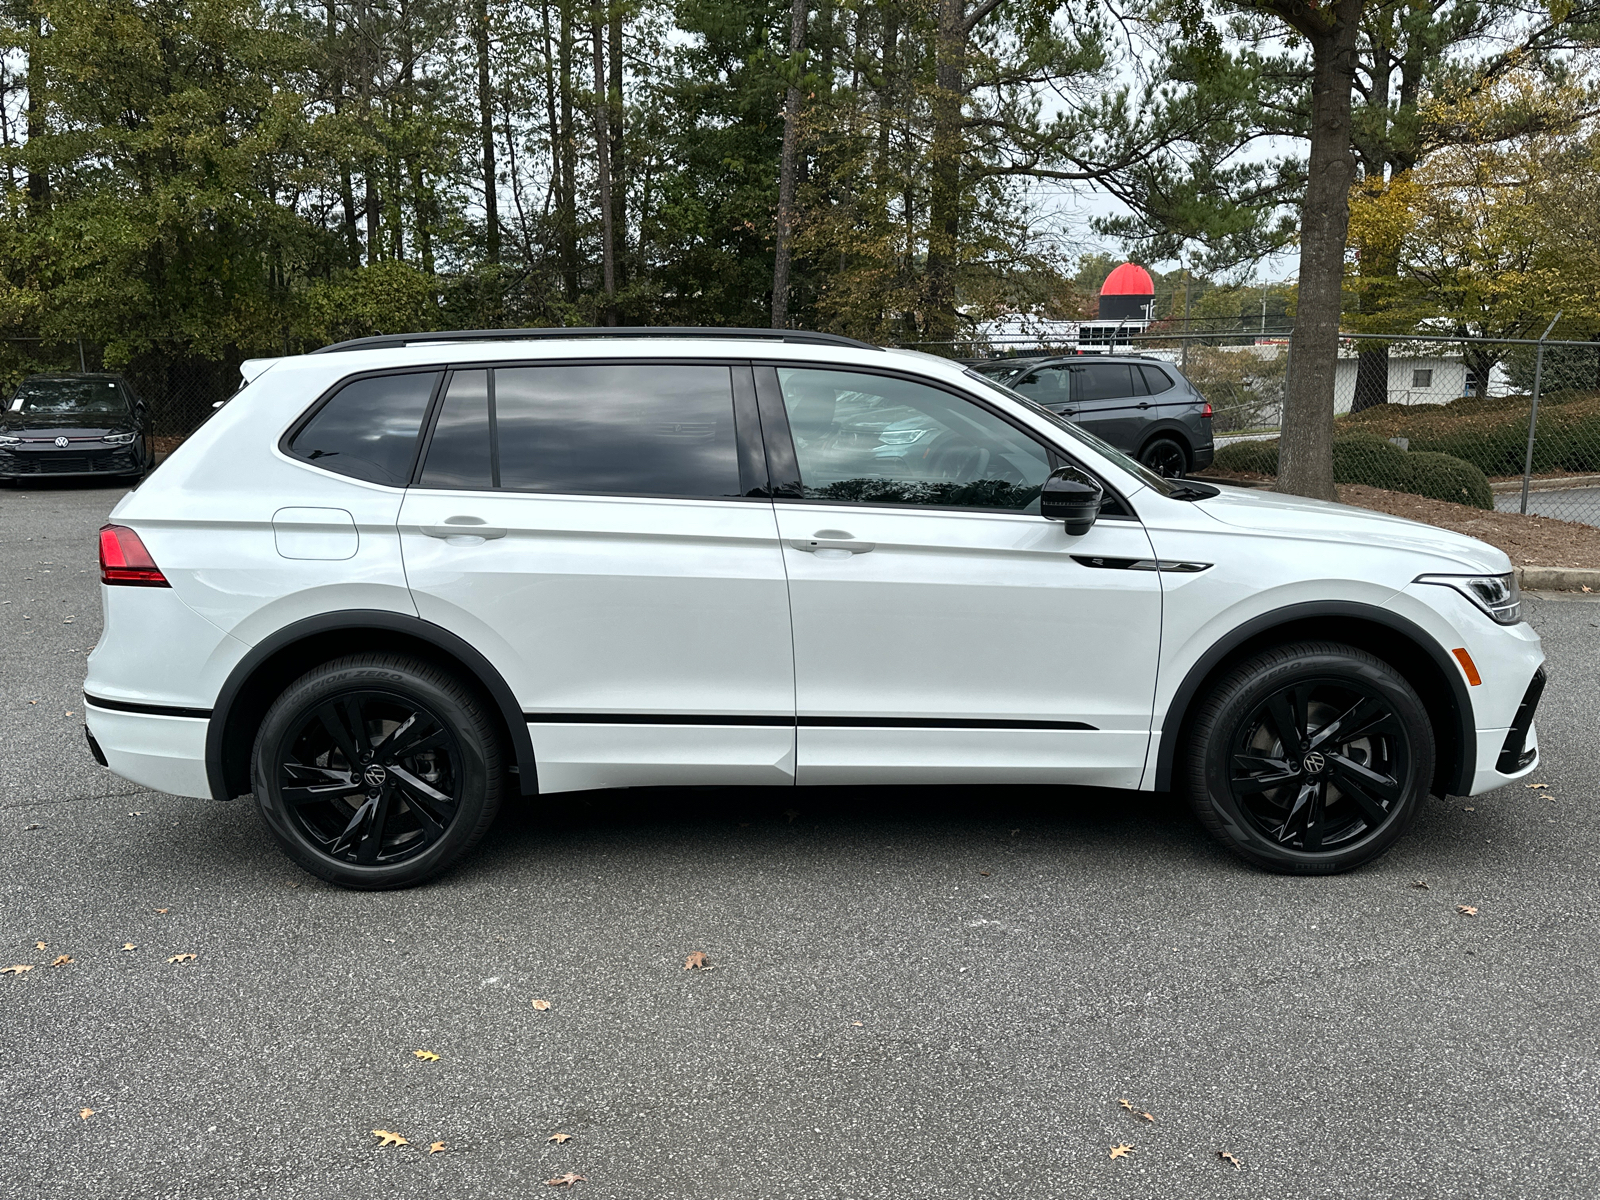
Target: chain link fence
[
  {"x": 1506, "y": 424},
  {"x": 179, "y": 391}
]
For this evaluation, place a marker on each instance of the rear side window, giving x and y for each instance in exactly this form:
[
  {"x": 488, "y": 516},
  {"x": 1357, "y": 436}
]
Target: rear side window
[
  {"x": 1156, "y": 380},
  {"x": 368, "y": 428},
  {"x": 613, "y": 428},
  {"x": 1103, "y": 381}
]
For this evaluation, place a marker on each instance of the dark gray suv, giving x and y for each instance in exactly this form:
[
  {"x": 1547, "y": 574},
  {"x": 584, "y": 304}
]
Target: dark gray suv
[{"x": 1142, "y": 406}]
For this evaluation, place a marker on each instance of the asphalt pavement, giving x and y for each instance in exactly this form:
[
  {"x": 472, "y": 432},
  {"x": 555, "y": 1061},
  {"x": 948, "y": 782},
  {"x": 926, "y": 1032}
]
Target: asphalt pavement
[
  {"x": 911, "y": 993},
  {"x": 1564, "y": 504}
]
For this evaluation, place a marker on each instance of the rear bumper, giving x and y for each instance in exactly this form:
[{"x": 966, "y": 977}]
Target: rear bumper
[
  {"x": 1204, "y": 456},
  {"x": 163, "y": 752}
]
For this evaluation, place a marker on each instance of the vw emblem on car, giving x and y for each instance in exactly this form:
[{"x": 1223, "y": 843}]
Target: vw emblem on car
[
  {"x": 61, "y": 443},
  {"x": 375, "y": 776},
  {"x": 1314, "y": 763}
]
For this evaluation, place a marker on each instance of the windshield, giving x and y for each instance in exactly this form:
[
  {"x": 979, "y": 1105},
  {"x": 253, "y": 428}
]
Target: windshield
[
  {"x": 100, "y": 396},
  {"x": 1131, "y": 465}
]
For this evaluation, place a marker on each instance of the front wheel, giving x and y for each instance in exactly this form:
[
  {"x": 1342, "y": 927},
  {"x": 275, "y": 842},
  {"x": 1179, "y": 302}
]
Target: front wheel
[
  {"x": 1310, "y": 759},
  {"x": 378, "y": 770}
]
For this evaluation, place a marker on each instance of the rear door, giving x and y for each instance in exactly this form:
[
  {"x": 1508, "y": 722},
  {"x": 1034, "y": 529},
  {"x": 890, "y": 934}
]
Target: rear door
[
  {"x": 601, "y": 532},
  {"x": 1105, "y": 401}
]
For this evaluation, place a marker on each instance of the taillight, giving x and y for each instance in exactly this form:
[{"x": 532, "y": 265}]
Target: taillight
[
  {"x": 124, "y": 560},
  {"x": 1205, "y": 410}
]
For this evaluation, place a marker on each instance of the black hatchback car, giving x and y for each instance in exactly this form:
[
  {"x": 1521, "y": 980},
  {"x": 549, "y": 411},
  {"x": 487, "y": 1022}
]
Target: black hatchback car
[
  {"x": 75, "y": 425},
  {"x": 1142, "y": 406}
]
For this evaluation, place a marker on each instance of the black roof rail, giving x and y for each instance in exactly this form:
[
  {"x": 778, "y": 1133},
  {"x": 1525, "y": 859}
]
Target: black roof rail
[{"x": 394, "y": 341}]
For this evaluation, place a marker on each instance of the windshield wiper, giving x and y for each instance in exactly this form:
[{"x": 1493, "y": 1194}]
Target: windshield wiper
[{"x": 1189, "y": 490}]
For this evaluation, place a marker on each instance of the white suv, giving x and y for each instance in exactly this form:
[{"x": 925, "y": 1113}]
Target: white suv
[{"x": 395, "y": 582}]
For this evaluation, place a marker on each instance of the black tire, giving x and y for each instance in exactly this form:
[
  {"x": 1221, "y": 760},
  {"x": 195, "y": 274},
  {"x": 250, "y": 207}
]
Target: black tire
[
  {"x": 1165, "y": 456},
  {"x": 1334, "y": 801},
  {"x": 378, "y": 770}
]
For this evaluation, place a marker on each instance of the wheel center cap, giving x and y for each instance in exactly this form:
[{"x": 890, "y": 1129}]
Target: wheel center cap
[
  {"x": 1314, "y": 763},
  {"x": 375, "y": 776}
]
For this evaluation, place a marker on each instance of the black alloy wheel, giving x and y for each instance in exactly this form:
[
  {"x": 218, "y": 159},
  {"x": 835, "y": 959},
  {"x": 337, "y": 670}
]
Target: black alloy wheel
[
  {"x": 1166, "y": 458},
  {"x": 1311, "y": 758},
  {"x": 378, "y": 771}
]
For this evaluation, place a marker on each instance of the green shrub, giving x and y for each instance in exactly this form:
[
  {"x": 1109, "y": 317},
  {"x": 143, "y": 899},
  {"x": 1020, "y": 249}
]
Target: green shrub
[
  {"x": 1364, "y": 457},
  {"x": 1491, "y": 433}
]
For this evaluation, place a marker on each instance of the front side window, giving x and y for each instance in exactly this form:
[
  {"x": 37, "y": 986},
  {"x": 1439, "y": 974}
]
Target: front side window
[
  {"x": 368, "y": 428},
  {"x": 872, "y": 439},
  {"x": 1049, "y": 385},
  {"x": 611, "y": 428}
]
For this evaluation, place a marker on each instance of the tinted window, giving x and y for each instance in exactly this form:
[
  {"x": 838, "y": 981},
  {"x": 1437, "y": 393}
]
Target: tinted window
[
  {"x": 617, "y": 428},
  {"x": 876, "y": 440},
  {"x": 1049, "y": 386},
  {"x": 1156, "y": 380},
  {"x": 458, "y": 453},
  {"x": 1103, "y": 381},
  {"x": 368, "y": 429}
]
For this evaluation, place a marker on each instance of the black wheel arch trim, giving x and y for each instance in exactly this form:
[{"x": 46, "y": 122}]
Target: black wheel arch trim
[
  {"x": 1457, "y": 782},
  {"x": 483, "y": 671}
]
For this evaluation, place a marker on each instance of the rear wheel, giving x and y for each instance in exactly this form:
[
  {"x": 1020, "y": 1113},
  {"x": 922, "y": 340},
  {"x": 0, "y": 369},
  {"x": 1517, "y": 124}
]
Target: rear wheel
[
  {"x": 378, "y": 770},
  {"x": 1165, "y": 457},
  {"x": 1310, "y": 759}
]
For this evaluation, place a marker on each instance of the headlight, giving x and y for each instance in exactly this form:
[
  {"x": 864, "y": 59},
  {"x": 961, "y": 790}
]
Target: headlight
[
  {"x": 1497, "y": 595},
  {"x": 7, "y": 440},
  {"x": 119, "y": 439},
  {"x": 900, "y": 437}
]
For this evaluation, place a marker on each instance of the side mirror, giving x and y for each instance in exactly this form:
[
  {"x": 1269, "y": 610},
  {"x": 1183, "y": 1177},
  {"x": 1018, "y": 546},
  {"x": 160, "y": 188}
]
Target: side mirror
[{"x": 1072, "y": 496}]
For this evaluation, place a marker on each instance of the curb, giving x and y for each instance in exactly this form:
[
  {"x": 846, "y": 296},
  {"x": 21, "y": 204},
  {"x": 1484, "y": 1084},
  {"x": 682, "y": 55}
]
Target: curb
[
  {"x": 1550, "y": 483},
  {"x": 1558, "y": 579}
]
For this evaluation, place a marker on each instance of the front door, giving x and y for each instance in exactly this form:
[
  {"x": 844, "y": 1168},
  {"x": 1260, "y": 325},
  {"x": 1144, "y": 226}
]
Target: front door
[
  {"x": 943, "y": 630},
  {"x": 589, "y": 528}
]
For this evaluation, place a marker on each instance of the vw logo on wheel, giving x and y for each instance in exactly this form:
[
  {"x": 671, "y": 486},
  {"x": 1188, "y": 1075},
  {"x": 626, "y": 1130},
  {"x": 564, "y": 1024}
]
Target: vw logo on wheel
[
  {"x": 61, "y": 443},
  {"x": 1314, "y": 763},
  {"x": 375, "y": 776}
]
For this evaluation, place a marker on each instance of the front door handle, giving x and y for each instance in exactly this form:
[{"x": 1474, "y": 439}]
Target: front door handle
[
  {"x": 832, "y": 539},
  {"x": 455, "y": 527},
  {"x": 1144, "y": 405}
]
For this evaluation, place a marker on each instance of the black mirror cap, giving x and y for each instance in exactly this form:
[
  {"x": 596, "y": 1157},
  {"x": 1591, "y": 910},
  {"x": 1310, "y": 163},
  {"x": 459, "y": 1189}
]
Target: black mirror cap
[{"x": 1073, "y": 496}]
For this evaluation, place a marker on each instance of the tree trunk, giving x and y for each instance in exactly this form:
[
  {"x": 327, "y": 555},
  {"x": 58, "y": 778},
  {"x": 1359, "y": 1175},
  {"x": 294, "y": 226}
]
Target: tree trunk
[
  {"x": 491, "y": 212},
  {"x": 944, "y": 214},
  {"x": 38, "y": 175},
  {"x": 602, "y": 145},
  {"x": 1305, "y": 462},
  {"x": 567, "y": 200},
  {"x": 619, "y": 175},
  {"x": 786, "y": 167}
]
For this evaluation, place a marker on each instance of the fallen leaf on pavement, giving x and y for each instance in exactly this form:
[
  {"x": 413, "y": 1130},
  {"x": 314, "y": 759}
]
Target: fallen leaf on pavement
[
  {"x": 25, "y": 828},
  {"x": 129, "y": 946},
  {"x": 62, "y": 960},
  {"x": 38, "y": 945},
  {"x": 1536, "y": 785},
  {"x": 567, "y": 1180},
  {"x": 436, "y": 1148},
  {"x": 426, "y": 1055},
  {"x": 1121, "y": 1151},
  {"x": 181, "y": 958},
  {"x": 1127, "y": 1104},
  {"x": 983, "y": 872},
  {"x": 389, "y": 1139},
  {"x": 19, "y": 969},
  {"x": 697, "y": 961},
  {"x": 858, "y": 1024},
  {"x": 85, "y": 1113},
  {"x": 1148, "y": 1117},
  {"x": 1226, "y": 1157},
  {"x": 541, "y": 1005},
  {"x": 132, "y": 814},
  {"x": 163, "y": 911},
  {"x": 1421, "y": 883},
  {"x": 558, "y": 1138},
  {"x": 790, "y": 813},
  {"x": 1466, "y": 910}
]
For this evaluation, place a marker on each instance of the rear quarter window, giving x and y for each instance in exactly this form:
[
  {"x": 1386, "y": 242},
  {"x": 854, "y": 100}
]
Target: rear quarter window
[{"x": 368, "y": 428}]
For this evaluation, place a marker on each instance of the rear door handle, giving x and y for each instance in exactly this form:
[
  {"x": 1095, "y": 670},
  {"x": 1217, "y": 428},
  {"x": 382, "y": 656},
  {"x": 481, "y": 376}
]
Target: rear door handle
[
  {"x": 455, "y": 527},
  {"x": 832, "y": 539}
]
